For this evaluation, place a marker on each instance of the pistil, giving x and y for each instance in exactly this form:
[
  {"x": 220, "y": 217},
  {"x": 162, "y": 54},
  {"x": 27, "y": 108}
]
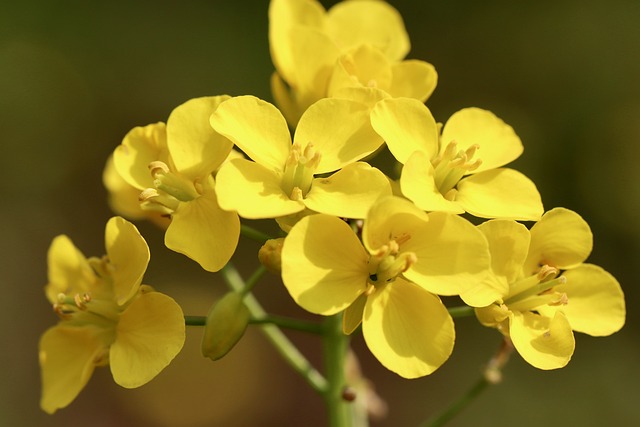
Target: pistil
[
  {"x": 451, "y": 165},
  {"x": 299, "y": 170}
]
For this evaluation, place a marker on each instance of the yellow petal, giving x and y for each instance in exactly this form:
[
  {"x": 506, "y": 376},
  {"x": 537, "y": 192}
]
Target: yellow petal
[
  {"x": 353, "y": 23},
  {"x": 285, "y": 100},
  {"x": 408, "y": 329},
  {"x": 253, "y": 191},
  {"x": 141, "y": 146},
  {"x": 128, "y": 257},
  {"x": 67, "y": 358},
  {"x": 543, "y": 342},
  {"x": 324, "y": 266},
  {"x": 407, "y": 126},
  {"x": 596, "y": 302},
  {"x": 196, "y": 149},
  {"x": 498, "y": 142},
  {"x": 453, "y": 257},
  {"x": 68, "y": 270},
  {"x": 509, "y": 245},
  {"x": 352, "y": 317},
  {"x": 283, "y": 15},
  {"x": 418, "y": 184},
  {"x": 363, "y": 66},
  {"x": 413, "y": 79},
  {"x": 204, "y": 232},
  {"x": 561, "y": 239},
  {"x": 365, "y": 95},
  {"x": 340, "y": 131},
  {"x": 391, "y": 217},
  {"x": 500, "y": 193},
  {"x": 150, "y": 334},
  {"x": 257, "y": 128},
  {"x": 348, "y": 193}
]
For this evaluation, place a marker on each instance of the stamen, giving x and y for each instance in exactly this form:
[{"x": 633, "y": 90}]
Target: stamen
[{"x": 451, "y": 165}]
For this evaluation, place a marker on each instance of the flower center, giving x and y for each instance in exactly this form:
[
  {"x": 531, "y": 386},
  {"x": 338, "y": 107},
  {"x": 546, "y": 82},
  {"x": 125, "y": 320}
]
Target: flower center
[
  {"x": 169, "y": 190},
  {"x": 387, "y": 262},
  {"x": 451, "y": 165},
  {"x": 299, "y": 169},
  {"x": 537, "y": 290}
]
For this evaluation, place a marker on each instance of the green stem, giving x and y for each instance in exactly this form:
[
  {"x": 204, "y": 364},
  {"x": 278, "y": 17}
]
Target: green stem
[
  {"x": 289, "y": 323},
  {"x": 195, "y": 320},
  {"x": 457, "y": 406},
  {"x": 253, "y": 279},
  {"x": 277, "y": 338},
  {"x": 463, "y": 311},
  {"x": 336, "y": 344},
  {"x": 254, "y": 234}
]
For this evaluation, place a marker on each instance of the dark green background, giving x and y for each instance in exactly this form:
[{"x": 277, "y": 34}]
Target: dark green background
[{"x": 76, "y": 76}]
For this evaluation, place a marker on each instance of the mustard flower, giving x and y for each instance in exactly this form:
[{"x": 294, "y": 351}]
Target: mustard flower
[
  {"x": 388, "y": 282},
  {"x": 106, "y": 317},
  {"x": 460, "y": 169},
  {"x": 547, "y": 290},
  {"x": 172, "y": 166},
  {"x": 317, "y": 52},
  {"x": 280, "y": 181}
]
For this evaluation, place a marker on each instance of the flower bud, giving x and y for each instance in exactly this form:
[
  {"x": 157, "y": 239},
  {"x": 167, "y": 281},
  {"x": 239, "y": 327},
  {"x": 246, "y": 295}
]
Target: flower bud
[
  {"x": 270, "y": 255},
  {"x": 226, "y": 322}
]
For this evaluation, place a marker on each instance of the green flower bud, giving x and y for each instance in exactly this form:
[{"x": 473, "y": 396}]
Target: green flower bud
[{"x": 226, "y": 322}]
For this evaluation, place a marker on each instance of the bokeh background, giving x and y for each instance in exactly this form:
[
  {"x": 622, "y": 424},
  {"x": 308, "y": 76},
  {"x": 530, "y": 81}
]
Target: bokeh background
[{"x": 75, "y": 76}]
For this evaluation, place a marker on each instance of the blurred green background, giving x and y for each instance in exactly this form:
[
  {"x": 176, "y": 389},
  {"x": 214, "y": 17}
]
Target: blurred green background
[{"x": 76, "y": 76}]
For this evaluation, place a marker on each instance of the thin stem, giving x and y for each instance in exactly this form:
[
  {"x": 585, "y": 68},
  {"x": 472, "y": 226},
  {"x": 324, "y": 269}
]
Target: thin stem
[
  {"x": 336, "y": 344},
  {"x": 254, "y": 234},
  {"x": 279, "y": 340},
  {"x": 289, "y": 323},
  {"x": 457, "y": 406},
  {"x": 253, "y": 279},
  {"x": 463, "y": 311}
]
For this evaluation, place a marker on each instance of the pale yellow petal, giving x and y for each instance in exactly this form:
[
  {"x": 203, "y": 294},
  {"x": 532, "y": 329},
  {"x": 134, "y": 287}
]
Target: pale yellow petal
[
  {"x": 543, "y": 342},
  {"x": 452, "y": 258},
  {"x": 509, "y": 245},
  {"x": 363, "y": 66},
  {"x": 339, "y": 130},
  {"x": 67, "y": 358},
  {"x": 196, "y": 149},
  {"x": 141, "y": 146},
  {"x": 257, "y": 128},
  {"x": 596, "y": 303},
  {"x": 413, "y": 79},
  {"x": 351, "y": 23},
  {"x": 348, "y": 193},
  {"x": 68, "y": 270},
  {"x": 324, "y": 266},
  {"x": 418, "y": 184},
  {"x": 561, "y": 239},
  {"x": 204, "y": 232},
  {"x": 150, "y": 333},
  {"x": 253, "y": 191},
  {"x": 285, "y": 100},
  {"x": 391, "y": 218},
  {"x": 408, "y": 329},
  {"x": 498, "y": 142},
  {"x": 283, "y": 15},
  {"x": 128, "y": 257},
  {"x": 365, "y": 95},
  {"x": 500, "y": 193},
  {"x": 407, "y": 126}
]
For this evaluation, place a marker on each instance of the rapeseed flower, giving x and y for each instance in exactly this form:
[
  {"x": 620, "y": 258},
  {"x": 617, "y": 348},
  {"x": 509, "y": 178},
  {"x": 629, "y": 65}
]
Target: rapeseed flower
[{"x": 106, "y": 317}]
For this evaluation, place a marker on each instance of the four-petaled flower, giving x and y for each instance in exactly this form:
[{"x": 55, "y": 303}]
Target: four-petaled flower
[
  {"x": 106, "y": 317},
  {"x": 435, "y": 165},
  {"x": 547, "y": 289},
  {"x": 389, "y": 284}
]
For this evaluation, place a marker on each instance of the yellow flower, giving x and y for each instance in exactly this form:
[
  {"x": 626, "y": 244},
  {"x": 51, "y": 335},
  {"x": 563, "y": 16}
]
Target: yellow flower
[
  {"x": 318, "y": 52},
  {"x": 332, "y": 134},
  {"x": 547, "y": 290},
  {"x": 389, "y": 283},
  {"x": 106, "y": 317},
  {"x": 172, "y": 165},
  {"x": 459, "y": 170}
]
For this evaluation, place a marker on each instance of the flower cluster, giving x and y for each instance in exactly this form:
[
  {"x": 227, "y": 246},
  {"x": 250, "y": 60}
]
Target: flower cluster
[{"x": 379, "y": 250}]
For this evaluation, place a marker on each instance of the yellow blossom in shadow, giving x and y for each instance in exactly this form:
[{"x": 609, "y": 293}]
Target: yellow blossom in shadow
[
  {"x": 106, "y": 317},
  {"x": 547, "y": 289}
]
